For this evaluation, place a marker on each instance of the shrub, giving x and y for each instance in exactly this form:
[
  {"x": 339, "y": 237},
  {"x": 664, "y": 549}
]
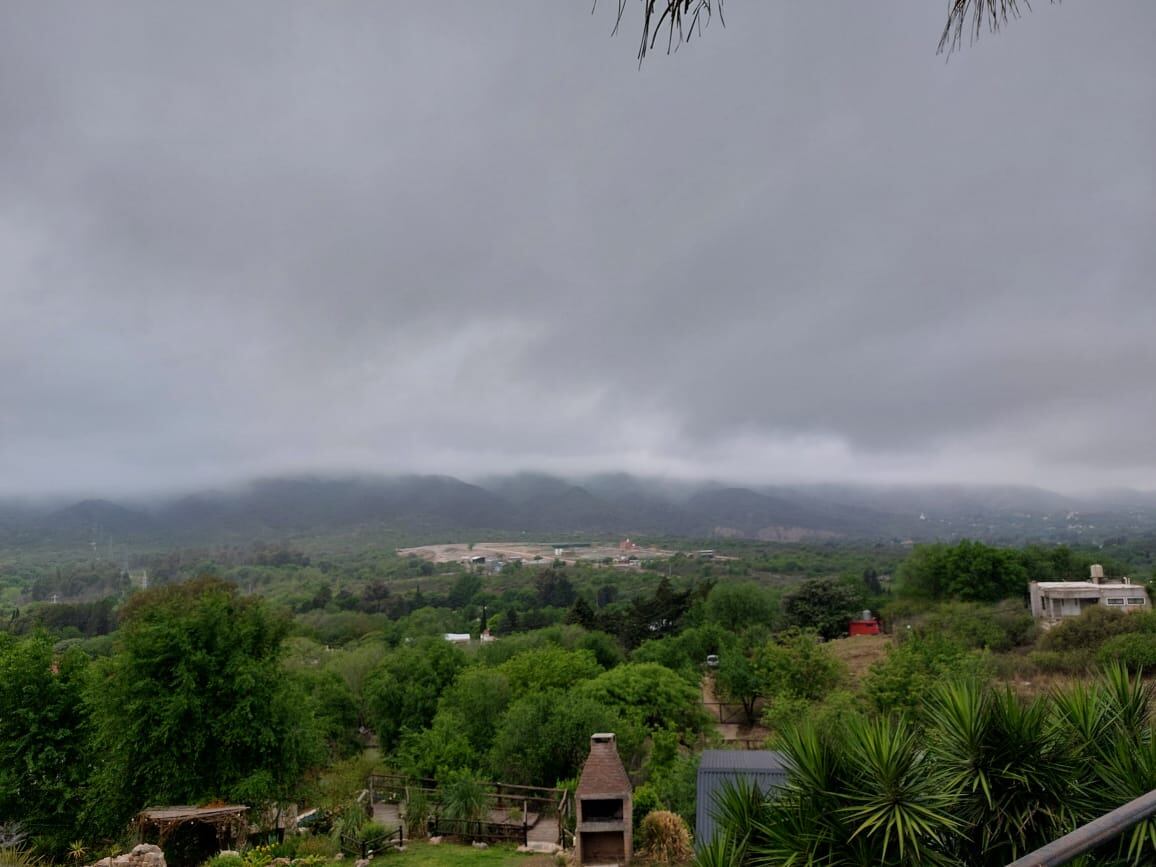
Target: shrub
[
  {"x": 373, "y": 834},
  {"x": 1016, "y": 620},
  {"x": 677, "y": 785},
  {"x": 982, "y": 627},
  {"x": 1056, "y": 662},
  {"x": 464, "y": 799},
  {"x": 229, "y": 860},
  {"x": 417, "y": 812},
  {"x": 316, "y": 846},
  {"x": 348, "y": 820},
  {"x": 1088, "y": 631},
  {"x": 783, "y": 712},
  {"x": 646, "y": 801},
  {"x": 899, "y": 682},
  {"x": 1135, "y": 651},
  {"x": 797, "y": 665},
  {"x": 665, "y": 838}
]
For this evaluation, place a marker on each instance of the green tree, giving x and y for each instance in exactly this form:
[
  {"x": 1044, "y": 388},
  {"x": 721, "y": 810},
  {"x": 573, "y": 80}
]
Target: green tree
[
  {"x": 465, "y": 588},
  {"x": 554, "y": 589},
  {"x": 477, "y": 698},
  {"x": 738, "y": 680},
  {"x": 823, "y": 605},
  {"x": 580, "y": 613},
  {"x": 544, "y": 737},
  {"x": 796, "y": 665},
  {"x": 739, "y": 604},
  {"x": 656, "y": 696},
  {"x": 42, "y": 736},
  {"x": 549, "y": 667},
  {"x": 968, "y": 571},
  {"x": 402, "y": 693},
  {"x": 195, "y": 706},
  {"x": 910, "y": 670}
]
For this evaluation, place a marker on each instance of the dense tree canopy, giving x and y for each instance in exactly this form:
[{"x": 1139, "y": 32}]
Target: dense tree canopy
[
  {"x": 195, "y": 705},
  {"x": 402, "y": 694},
  {"x": 42, "y": 737},
  {"x": 968, "y": 571},
  {"x": 824, "y": 605}
]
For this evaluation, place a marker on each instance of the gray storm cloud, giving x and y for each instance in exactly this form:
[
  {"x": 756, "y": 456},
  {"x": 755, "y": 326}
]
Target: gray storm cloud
[{"x": 468, "y": 238}]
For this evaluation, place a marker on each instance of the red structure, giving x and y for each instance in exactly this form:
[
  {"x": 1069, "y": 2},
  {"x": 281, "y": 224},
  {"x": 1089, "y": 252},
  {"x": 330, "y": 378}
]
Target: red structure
[{"x": 865, "y": 625}]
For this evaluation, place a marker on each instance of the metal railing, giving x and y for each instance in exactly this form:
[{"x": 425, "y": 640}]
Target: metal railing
[{"x": 1088, "y": 837}]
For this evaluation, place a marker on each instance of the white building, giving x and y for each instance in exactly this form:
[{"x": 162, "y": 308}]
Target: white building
[{"x": 1055, "y": 600}]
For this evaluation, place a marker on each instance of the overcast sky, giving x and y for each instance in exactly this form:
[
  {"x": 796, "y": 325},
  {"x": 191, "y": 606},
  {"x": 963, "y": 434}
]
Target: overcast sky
[{"x": 239, "y": 239}]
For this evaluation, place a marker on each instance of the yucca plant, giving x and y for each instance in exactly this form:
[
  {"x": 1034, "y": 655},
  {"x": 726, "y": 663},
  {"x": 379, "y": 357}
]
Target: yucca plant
[
  {"x": 861, "y": 794},
  {"x": 1126, "y": 771},
  {"x": 719, "y": 852},
  {"x": 1130, "y": 701},
  {"x": 894, "y": 801},
  {"x": 741, "y": 814},
  {"x": 1006, "y": 768}
]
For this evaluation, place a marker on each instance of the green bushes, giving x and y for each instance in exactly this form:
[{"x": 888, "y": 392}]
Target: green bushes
[
  {"x": 900, "y": 682},
  {"x": 1088, "y": 631},
  {"x": 1098, "y": 635},
  {"x": 997, "y": 627},
  {"x": 645, "y": 802},
  {"x": 417, "y": 811},
  {"x": 1135, "y": 651},
  {"x": 798, "y": 665}
]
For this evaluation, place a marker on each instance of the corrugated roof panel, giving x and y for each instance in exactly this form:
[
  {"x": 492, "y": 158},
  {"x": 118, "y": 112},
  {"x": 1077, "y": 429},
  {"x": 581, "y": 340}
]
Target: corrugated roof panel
[
  {"x": 751, "y": 760},
  {"x": 764, "y": 767}
]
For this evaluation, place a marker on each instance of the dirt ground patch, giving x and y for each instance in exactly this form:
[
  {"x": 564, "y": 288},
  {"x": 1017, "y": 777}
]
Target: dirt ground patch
[{"x": 859, "y": 653}]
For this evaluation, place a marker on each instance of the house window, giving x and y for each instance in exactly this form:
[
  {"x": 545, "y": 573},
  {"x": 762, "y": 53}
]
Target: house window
[
  {"x": 1115, "y": 600},
  {"x": 1136, "y": 600}
]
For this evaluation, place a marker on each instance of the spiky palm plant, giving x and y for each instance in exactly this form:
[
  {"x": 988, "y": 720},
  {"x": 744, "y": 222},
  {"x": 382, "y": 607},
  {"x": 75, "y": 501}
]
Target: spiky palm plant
[
  {"x": 895, "y": 801},
  {"x": 719, "y": 852},
  {"x": 740, "y": 812},
  {"x": 1010, "y": 773},
  {"x": 862, "y": 795}
]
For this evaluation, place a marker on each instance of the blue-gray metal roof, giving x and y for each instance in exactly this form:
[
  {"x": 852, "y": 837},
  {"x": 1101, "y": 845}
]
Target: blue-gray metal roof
[
  {"x": 764, "y": 767},
  {"x": 744, "y": 760}
]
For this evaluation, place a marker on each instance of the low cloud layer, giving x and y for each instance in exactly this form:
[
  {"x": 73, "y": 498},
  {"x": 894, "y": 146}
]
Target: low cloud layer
[{"x": 468, "y": 238}]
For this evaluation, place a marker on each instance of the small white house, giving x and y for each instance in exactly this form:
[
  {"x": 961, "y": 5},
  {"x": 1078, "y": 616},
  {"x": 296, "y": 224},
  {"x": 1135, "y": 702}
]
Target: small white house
[{"x": 1056, "y": 600}]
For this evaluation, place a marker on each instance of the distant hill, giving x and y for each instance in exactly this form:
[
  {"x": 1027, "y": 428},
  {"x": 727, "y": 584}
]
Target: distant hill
[{"x": 613, "y": 504}]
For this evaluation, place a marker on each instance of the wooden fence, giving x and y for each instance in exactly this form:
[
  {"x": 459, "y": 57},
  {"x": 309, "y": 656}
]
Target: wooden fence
[{"x": 533, "y": 803}]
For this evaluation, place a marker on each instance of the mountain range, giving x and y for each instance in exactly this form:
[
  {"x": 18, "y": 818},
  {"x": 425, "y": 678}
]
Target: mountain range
[{"x": 542, "y": 505}]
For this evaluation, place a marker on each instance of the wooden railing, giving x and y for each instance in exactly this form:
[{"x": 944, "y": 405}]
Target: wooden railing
[{"x": 533, "y": 802}]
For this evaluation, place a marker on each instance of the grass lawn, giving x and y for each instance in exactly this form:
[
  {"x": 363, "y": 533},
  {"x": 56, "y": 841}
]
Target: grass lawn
[{"x": 457, "y": 855}]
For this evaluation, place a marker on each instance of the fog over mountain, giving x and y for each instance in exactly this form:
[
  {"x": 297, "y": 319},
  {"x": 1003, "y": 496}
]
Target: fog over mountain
[
  {"x": 285, "y": 238},
  {"x": 540, "y": 507}
]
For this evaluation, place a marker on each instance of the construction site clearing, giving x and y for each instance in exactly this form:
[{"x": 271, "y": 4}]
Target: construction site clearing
[{"x": 622, "y": 552}]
